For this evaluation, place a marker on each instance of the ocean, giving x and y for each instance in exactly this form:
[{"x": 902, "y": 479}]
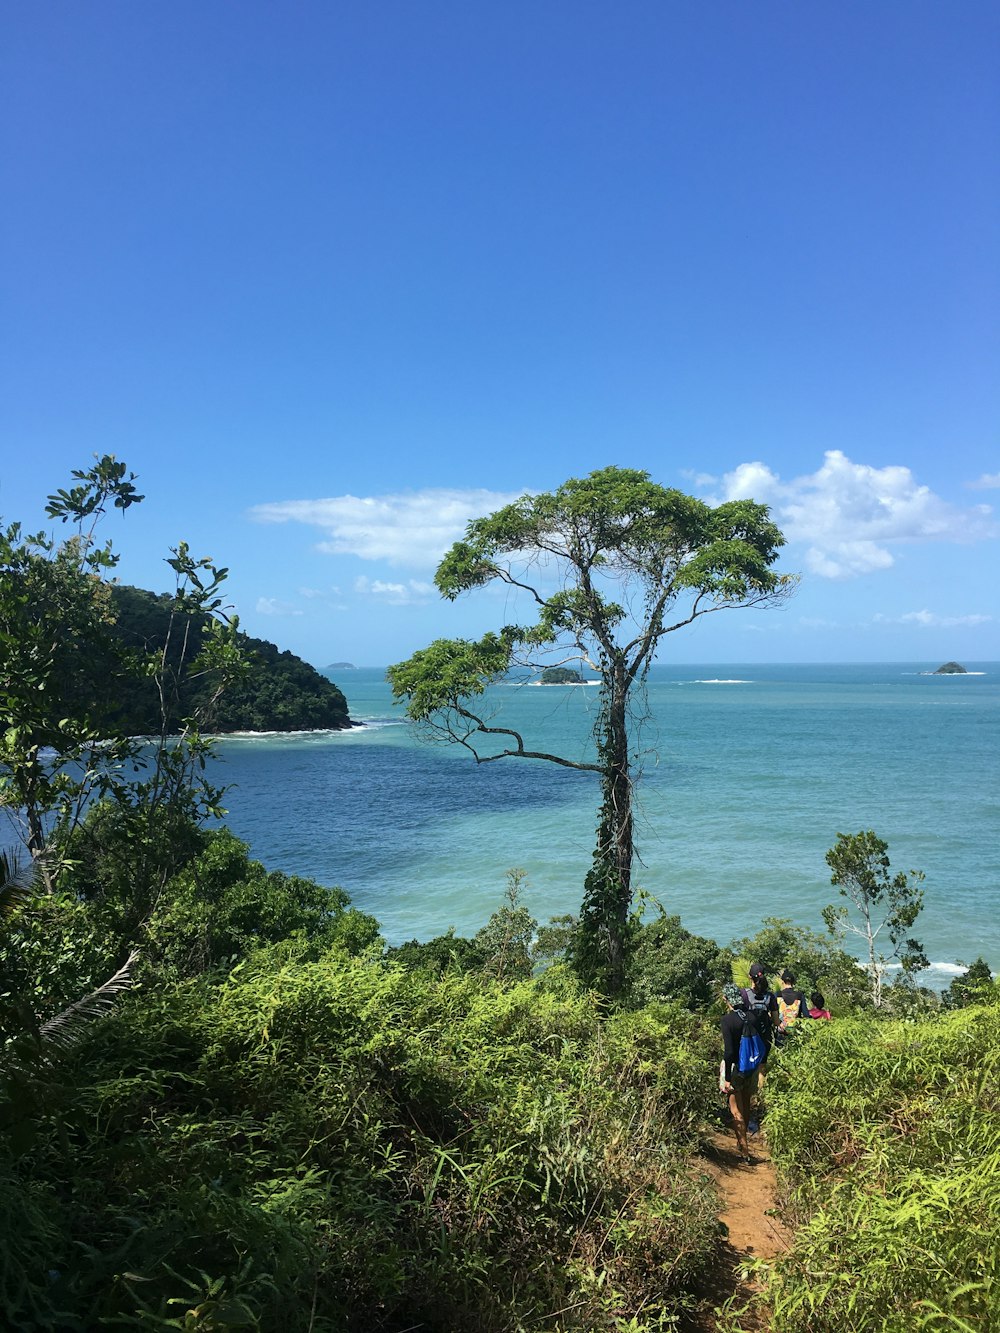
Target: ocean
[{"x": 748, "y": 773}]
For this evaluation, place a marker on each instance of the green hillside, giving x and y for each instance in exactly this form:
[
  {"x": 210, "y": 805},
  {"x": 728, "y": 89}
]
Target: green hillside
[{"x": 280, "y": 692}]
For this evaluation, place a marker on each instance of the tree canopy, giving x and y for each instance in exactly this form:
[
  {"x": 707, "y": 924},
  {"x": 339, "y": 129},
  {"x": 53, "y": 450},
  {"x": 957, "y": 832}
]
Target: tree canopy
[{"x": 882, "y": 902}]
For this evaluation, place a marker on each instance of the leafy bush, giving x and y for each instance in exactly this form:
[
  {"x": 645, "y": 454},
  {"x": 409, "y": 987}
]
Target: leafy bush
[
  {"x": 444, "y": 953},
  {"x": 975, "y": 986},
  {"x": 669, "y": 963},
  {"x": 223, "y": 905},
  {"x": 888, "y": 1135},
  {"x": 344, "y": 1145}
]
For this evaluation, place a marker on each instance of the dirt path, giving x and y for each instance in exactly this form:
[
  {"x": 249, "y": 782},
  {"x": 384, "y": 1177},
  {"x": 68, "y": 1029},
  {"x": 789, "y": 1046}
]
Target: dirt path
[{"x": 749, "y": 1199}]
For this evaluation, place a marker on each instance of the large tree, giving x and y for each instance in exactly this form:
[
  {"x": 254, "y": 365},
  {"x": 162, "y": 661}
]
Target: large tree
[{"x": 610, "y": 564}]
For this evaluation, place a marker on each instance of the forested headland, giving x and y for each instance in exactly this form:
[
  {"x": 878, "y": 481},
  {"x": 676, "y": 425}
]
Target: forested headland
[
  {"x": 227, "y": 1102},
  {"x": 276, "y": 691}
]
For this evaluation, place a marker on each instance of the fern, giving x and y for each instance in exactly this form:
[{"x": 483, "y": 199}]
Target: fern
[
  {"x": 16, "y": 883},
  {"x": 65, "y": 1029}
]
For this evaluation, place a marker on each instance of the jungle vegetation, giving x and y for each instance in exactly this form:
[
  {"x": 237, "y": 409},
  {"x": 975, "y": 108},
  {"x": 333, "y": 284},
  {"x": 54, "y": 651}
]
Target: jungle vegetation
[{"x": 226, "y": 1103}]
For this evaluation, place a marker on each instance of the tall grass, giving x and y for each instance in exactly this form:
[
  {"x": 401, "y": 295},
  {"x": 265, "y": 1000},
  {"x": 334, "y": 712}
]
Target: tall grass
[
  {"x": 342, "y": 1145},
  {"x": 887, "y": 1136}
]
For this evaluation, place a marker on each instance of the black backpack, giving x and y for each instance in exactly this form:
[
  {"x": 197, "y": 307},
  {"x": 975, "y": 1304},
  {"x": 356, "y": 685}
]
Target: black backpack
[
  {"x": 759, "y": 1008},
  {"x": 753, "y": 1048}
]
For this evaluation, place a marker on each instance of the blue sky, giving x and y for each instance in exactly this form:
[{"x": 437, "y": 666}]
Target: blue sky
[{"x": 335, "y": 278}]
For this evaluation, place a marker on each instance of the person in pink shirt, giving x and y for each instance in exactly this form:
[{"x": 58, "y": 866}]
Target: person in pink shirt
[{"x": 818, "y": 1009}]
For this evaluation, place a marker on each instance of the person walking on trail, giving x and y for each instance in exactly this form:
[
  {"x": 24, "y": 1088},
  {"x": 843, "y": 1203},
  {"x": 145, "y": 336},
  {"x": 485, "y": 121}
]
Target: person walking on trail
[
  {"x": 791, "y": 1007},
  {"x": 817, "y": 1006},
  {"x": 764, "y": 1007},
  {"x": 738, "y": 1088}
]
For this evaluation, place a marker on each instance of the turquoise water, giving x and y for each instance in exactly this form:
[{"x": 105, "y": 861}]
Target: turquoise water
[{"x": 748, "y": 775}]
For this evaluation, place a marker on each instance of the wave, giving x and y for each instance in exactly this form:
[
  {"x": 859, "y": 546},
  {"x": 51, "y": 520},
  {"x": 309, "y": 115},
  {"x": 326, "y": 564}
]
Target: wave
[
  {"x": 715, "y": 681},
  {"x": 936, "y": 976},
  {"x": 555, "y": 684},
  {"x": 271, "y": 735}
]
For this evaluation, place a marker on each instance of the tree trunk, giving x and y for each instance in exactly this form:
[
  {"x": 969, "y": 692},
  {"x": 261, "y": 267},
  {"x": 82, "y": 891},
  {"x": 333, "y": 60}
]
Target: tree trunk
[
  {"x": 608, "y": 889},
  {"x": 873, "y": 963}
]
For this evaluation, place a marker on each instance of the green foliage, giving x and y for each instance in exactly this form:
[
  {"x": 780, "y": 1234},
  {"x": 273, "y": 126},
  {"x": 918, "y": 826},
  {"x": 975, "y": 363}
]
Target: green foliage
[
  {"x": 668, "y": 962},
  {"x": 51, "y": 953},
  {"x": 561, "y": 675},
  {"x": 58, "y": 656},
  {"x": 223, "y": 905},
  {"x": 444, "y": 953},
  {"x": 554, "y": 939},
  {"x": 507, "y": 949},
  {"x": 888, "y": 1136},
  {"x": 507, "y": 938},
  {"x": 975, "y": 986},
  {"x": 882, "y": 902},
  {"x": 63, "y": 739},
  {"x": 345, "y": 1145},
  {"x": 216, "y": 906},
  {"x": 16, "y": 883}
]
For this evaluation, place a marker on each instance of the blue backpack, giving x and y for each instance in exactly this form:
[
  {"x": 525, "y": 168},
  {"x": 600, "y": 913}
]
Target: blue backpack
[{"x": 753, "y": 1047}]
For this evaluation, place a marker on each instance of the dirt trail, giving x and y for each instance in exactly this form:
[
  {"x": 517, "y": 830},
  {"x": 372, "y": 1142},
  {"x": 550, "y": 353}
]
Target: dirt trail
[{"x": 749, "y": 1198}]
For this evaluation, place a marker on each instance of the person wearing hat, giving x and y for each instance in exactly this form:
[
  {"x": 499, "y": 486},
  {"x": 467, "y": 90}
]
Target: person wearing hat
[{"x": 738, "y": 1089}]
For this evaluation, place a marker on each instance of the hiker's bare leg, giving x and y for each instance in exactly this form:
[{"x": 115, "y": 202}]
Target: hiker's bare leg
[{"x": 738, "y": 1109}]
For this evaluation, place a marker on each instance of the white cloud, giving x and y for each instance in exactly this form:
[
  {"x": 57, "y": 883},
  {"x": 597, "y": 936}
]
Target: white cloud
[
  {"x": 846, "y": 559},
  {"x": 312, "y": 594},
  {"x": 410, "y": 593},
  {"x": 412, "y": 529},
  {"x": 848, "y": 514},
  {"x": 271, "y": 606},
  {"x": 930, "y": 620},
  {"x": 989, "y": 481}
]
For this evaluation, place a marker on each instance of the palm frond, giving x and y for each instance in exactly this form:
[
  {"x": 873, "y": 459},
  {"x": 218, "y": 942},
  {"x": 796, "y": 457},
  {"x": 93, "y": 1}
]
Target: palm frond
[
  {"x": 65, "y": 1029},
  {"x": 16, "y": 883}
]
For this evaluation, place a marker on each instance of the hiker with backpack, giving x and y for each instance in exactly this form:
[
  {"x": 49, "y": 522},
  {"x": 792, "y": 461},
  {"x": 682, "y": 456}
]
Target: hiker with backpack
[
  {"x": 746, "y": 1038},
  {"x": 791, "y": 1007},
  {"x": 764, "y": 1007}
]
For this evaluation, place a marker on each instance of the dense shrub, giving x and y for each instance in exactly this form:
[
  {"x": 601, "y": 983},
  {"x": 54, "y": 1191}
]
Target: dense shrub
[
  {"x": 888, "y": 1136},
  {"x": 343, "y": 1145},
  {"x": 667, "y": 962},
  {"x": 223, "y": 905},
  {"x": 443, "y": 953}
]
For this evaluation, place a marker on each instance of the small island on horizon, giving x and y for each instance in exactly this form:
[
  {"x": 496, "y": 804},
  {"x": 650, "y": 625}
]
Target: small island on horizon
[
  {"x": 949, "y": 669},
  {"x": 560, "y": 675}
]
